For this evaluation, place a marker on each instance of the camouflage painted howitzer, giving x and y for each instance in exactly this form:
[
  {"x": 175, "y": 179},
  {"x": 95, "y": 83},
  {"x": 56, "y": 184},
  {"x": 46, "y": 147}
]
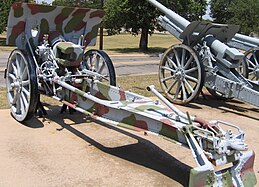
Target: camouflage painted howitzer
[
  {"x": 205, "y": 59},
  {"x": 59, "y": 68}
]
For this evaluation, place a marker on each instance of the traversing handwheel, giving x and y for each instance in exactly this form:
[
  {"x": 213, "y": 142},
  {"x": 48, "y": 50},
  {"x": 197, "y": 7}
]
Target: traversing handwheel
[
  {"x": 21, "y": 85},
  {"x": 252, "y": 62},
  {"x": 181, "y": 74},
  {"x": 98, "y": 61}
]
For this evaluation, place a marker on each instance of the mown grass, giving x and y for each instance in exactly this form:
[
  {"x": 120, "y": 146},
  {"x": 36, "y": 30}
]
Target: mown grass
[
  {"x": 136, "y": 84},
  {"x": 122, "y": 43}
]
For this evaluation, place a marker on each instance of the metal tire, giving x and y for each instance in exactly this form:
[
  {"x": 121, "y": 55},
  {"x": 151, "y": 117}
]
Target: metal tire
[
  {"x": 252, "y": 61},
  {"x": 21, "y": 84},
  {"x": 181, "y": 74},
  {"x": 98, "y": 61}
]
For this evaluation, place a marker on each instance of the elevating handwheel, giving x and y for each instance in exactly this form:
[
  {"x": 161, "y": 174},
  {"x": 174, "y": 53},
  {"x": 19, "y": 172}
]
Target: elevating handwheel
[
  {"x": 181, "y": 74},
  {"x": 21, "y": 85},
  {"x": 98, "y": 61}
]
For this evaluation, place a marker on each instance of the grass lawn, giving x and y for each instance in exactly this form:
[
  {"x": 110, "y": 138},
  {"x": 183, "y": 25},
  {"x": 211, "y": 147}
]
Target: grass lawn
[{"x": 122, "y": 43}]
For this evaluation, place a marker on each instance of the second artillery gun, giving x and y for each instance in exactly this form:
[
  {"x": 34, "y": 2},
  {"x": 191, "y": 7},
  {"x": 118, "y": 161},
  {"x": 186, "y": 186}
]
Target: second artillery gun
[{"x": 204, "y": 58}]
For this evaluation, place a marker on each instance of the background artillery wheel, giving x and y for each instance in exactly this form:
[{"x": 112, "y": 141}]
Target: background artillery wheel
[
  {"x": 98, "y": 61},
  {"x": 251, "y": 60},
  {"x": 181, "y": 74},
  {"x": 21, "y": 84}
]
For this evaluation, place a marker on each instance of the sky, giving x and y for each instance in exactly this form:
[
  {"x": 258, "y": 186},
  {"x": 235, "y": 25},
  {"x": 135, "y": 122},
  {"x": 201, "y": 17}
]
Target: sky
[{"x": 48, "y": 1}]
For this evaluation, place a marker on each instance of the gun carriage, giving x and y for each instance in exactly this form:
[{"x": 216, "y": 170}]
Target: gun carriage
[
  {"x": 205, "y": 58},
  {"x": 50, "y": 60}
]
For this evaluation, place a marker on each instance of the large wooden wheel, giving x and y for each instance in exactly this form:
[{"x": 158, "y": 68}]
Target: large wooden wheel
[
  {"x": 181, "y": 74},
  {"x": 251, "y": 60},
  {"x": 98, "y": 61},
  {"x": 21, "y": 85}
]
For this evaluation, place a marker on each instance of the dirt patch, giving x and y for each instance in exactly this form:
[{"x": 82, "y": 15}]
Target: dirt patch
[{"x": 70, "y": 150}]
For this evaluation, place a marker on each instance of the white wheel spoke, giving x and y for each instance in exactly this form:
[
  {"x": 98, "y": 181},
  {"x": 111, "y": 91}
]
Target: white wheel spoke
[
  {"x": 172, "y": 62},
  {"x": 101, "y": 68},
  {"x": 17, "y": 62},
  {"x": 24, "y": 100},
  {"x": 22, "y": 106},
  {"x": 18, "y": 104},
  {"x": 191, "y": 70},
  {"x": 26, "y": 92},
  {"x": 191, "y": 78},
  {"x": 97, "y": 62},
  {"x": 177, "y": 58},
  {"x": 12, "y": 76},
  {"x": 184, "y": 92},
  {"x": 177, "y": 89},
  {"x": 25, "y": 83},
  {"x": 188, "y": 85},
  {"x": 250, "y": 62},
  {"x": 24, "y": 74},
  {"x": 171, "y": 86},
  {"x": 254, "y": 56},
  {"x": 167, "y": 68},
  {"x": 183, "y": 57},
  {"x": 14, "y": 99},
  {"x": 188, "y": 62},
  {"x": 14, "y": 69},
  {"x": 167, "y": 78}
]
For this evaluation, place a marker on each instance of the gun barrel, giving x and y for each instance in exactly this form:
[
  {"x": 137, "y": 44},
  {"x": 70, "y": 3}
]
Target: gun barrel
[
  {"x": 174, "y": 17},
  {"x": 248, "y": 39}
]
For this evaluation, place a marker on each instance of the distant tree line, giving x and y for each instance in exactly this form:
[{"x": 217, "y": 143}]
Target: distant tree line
[{"x": 138, "y": 16}]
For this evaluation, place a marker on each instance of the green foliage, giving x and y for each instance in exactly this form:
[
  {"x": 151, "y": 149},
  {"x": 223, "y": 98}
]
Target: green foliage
[
  {"x": 191, "y": 10},
  {"x": 4, "y": 12},
  {"x": 239, "y": 12},
  {"x": 78, "y": 3},
  {"x": 133, "y": 15},
  {"x": 246, "y": 14}
]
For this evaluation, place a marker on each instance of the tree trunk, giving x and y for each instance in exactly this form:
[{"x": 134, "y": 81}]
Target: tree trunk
[{"x": 143, "y": 44}]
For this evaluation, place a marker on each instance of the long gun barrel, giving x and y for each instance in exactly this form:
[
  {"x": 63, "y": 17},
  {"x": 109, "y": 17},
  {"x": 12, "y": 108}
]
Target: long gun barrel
[{"x": 218, "y": 48}]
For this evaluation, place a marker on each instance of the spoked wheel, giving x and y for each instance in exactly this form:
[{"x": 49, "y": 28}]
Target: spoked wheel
[
  {"x": 98, "y": 61},
  {"x": 252, "y": 61},
  {"x": 181, "y": 74},
  {"x": 21, "y": 84}
]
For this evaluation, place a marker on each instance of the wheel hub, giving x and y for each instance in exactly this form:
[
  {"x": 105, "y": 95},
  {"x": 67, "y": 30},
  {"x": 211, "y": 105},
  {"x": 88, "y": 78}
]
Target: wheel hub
[{"x": 179, "y": 74}]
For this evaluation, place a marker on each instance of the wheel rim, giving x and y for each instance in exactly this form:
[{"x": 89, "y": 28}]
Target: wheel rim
[
  {"x": 96, "y": 63},
  {"x": 252, "y": 60},
  {"x": 18, "y": 85},
  {"x": 181, "y": 74}
]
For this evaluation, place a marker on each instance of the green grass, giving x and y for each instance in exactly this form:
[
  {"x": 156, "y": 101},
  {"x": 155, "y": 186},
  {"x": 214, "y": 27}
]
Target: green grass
[
  {"x": 126, "y": 43},
  {"x": 136, "y": 84},
  {"x": 122, "y": 43}
]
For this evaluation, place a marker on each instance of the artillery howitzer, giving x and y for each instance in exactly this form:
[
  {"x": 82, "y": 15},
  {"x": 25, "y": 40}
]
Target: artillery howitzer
[
  {"x": 57, "y": 66},
  {"x": 205, "y": 59}
]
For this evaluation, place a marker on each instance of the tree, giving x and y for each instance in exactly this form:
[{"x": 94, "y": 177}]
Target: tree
[
  {"x": 138, "y": 16},
  {"x": 78, "y": 3},
  {"x": 220, "y": 10},
  {"x": 133, "y": 15},
  {"x": 239, "y": 12},
  {"x": 246, "y": 14},
  {"x": 4, "y": 9},
  {"x": 192, "y": 10}
]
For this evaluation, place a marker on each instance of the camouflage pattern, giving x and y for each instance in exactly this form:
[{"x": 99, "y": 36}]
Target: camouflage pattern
[
  {"x": 57, "y": 21},
  {"x": 132, "y": 111},
  {"x": 68, "y": 54}
]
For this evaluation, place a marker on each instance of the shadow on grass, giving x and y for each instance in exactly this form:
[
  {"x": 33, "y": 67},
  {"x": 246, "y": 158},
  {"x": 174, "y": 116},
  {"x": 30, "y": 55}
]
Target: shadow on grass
[
  {"x": 151, "y": 50},
  {"x": 144, "y": 152}
]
